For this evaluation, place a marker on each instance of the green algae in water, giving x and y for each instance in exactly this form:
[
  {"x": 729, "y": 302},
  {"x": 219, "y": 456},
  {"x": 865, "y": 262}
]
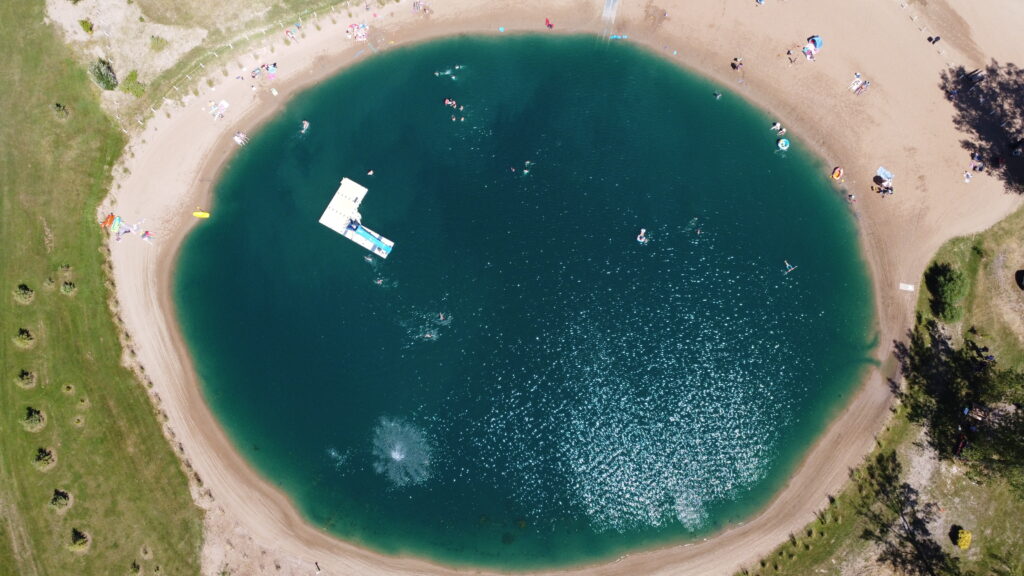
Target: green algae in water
[{"x": 521, "y": 384}]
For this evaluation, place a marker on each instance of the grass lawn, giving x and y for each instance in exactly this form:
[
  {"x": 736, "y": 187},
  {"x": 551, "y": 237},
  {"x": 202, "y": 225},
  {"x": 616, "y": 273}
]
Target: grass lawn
[
  {"x": 128, "y": 494},
  {"x": 994, "y": 304}
]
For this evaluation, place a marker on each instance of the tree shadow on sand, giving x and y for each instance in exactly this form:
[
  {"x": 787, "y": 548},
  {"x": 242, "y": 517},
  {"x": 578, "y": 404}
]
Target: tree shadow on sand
[
  {"x": 989, "y": 105},
  {"x": 896, "y": 520}
]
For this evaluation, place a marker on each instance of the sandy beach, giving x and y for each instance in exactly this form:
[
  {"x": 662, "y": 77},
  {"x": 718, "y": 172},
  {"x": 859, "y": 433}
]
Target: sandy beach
[{"x": 902, "y": 122}]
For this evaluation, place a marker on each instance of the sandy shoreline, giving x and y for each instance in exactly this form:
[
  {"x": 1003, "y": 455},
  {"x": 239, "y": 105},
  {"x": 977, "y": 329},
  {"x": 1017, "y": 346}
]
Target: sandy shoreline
[{"x": 903, "y": 122}]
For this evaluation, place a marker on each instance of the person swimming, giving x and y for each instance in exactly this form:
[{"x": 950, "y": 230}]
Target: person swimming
[
  {"x": 642, "y": 236},
  {"x": 305, "y": 126}
]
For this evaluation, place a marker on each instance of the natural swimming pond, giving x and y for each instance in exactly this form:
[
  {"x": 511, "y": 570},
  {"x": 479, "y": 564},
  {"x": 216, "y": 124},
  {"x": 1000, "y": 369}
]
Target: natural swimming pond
[{"x": 522, "y": 384}]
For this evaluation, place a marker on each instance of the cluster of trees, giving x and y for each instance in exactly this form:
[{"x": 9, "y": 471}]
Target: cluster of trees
[
  {"x": 897, "y": 520},
  {"x": 971, "y": 407}
]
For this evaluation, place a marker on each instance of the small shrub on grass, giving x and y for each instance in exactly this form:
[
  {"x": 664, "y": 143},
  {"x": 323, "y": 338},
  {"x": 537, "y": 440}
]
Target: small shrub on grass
[
  {"x": 23, "y": 294},
  {"x": 103, "y": 73},
  {"x": 49, "y": 283},
  {"x": 86, "y": 25},
  {"x": 25, "y": 379},
  {"x": 44, "y": 459},
  {"x": 68, "y": 288},
  {"x": 24, "y": 339},
  {"x": 79, "y": 540},
  {"x": 131, "y": 84},
  {"x": 60, "y": 500},
  {"x": 34, "y": 420},
  {"x": 157, "y": 43}
]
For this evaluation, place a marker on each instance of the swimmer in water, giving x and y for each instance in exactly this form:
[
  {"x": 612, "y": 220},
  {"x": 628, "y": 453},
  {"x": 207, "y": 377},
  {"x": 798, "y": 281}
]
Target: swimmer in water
[
  {"x": 441, "y": 316},
  {"x": 379, "y": 281},
  {"x": 305, "y": 126},
  {"x": 777, "y": 126},
  {"x": 642, "y": 236}
]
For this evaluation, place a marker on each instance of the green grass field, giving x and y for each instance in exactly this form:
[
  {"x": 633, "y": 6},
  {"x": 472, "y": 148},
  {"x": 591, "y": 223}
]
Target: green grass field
[
  {"x": 128, "y": 493},
  {"x": 994, "y": 305}
]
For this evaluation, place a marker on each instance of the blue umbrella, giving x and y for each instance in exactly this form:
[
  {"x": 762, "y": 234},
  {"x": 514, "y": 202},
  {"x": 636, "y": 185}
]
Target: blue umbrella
[
  {"x": 816, "y": 40},
  {"x": 883, "y": 173}
]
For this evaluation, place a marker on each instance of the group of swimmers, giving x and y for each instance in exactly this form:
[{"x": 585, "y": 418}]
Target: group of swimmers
[
  {"x": 449, "y": 73},
  {"x": 454, "y": 106},
  {"x": 779, "y": 130}
]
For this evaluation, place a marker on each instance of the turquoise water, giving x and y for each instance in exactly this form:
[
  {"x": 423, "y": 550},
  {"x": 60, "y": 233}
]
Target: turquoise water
[{"x": 583, "y": 395}]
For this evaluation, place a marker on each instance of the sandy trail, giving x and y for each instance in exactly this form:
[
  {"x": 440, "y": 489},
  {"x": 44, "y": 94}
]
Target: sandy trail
[{"x": 902, "y": 122}]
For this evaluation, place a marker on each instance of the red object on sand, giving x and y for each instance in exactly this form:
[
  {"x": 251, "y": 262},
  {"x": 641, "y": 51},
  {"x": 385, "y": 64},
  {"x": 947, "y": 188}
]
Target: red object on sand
[{"x": 547, "y": 22}]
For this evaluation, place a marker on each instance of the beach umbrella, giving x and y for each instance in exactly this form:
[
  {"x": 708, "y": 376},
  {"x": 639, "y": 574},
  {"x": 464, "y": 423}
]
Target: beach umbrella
[
  {"x": 815, "y": 41},
  {"x": 883, "y": 173}
]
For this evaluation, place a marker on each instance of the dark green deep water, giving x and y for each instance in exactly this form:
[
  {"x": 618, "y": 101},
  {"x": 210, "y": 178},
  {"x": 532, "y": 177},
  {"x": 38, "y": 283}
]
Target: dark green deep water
[{"x": 584, "y": 395}]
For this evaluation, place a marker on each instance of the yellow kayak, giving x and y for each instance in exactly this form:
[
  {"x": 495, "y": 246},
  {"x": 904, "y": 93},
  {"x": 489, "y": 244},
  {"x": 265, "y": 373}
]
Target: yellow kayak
[{"x": 201, "y": 214}]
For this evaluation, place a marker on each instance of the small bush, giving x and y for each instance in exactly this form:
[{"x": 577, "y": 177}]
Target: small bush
[
  {"x": 24, "y": 339},
  {"x": 60, "y": 500},
  {"x": 131, "y": 84},
  {"x": 68, "y": 288},
  {"x": 79, "y": 540},
  {"x": 23, "y": 294},
  {"x": 49, "y": 283},
  {"x": 44, "y": 459},
  {"x": 61, "y": 111},
  {"x": 26, "y": 379},
  {"x": 103, "y": 73},
  {"x": 34, "y": 420},
  {"x": 157, "y": 43},
  {"x": 86, "y": 25}
]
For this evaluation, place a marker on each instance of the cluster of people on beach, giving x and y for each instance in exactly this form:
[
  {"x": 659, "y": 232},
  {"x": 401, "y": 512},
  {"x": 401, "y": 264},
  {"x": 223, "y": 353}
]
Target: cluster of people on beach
[{"x": 270, "y": 69}]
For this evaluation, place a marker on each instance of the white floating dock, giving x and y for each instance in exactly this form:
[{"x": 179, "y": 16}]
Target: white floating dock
[{"x": 342, "y": 216}]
